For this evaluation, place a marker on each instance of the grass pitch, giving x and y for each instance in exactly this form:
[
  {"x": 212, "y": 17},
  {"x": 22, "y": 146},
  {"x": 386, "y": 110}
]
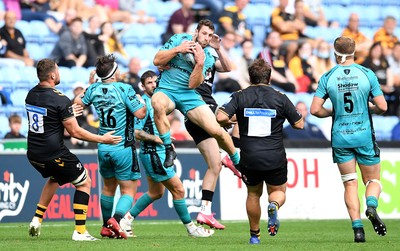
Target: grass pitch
[{"x": 171, "y": 235}]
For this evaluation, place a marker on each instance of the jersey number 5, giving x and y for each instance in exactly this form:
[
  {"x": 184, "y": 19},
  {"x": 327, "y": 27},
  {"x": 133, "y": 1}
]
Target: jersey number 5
[{"x": 348, "y": 103}]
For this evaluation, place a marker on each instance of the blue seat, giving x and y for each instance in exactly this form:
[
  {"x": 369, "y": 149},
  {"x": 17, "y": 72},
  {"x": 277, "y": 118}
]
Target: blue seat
[
  {"x": 134, "y": 34},
  {"x": 66, "y": 76},
  {"x": 18, "y": 97},
  {"x": 4, "y": 126},
  {"x": 390, "y": 10},
  {"x": 383, "y": 127},
  {"x": 36, "y": 51},
  {"x": 42, "y": 32}
]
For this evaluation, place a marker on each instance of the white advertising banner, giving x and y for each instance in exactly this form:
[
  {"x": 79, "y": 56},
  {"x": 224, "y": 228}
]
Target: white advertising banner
[{"x": 314, "y": 188}]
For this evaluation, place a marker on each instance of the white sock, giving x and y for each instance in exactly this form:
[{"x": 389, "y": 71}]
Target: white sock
[
  {"x": 191, "y": 227},
  {"x": 206, "y": 207}
]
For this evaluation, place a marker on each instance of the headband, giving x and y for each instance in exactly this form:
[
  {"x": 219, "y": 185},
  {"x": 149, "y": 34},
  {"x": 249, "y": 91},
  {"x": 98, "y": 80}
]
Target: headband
[
  {"x": 343, "y": 56},
  {"x": 114, "y": 69}
]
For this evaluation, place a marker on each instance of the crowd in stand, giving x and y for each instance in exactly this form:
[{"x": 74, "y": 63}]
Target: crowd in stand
[{"x": 297, "y": 59}]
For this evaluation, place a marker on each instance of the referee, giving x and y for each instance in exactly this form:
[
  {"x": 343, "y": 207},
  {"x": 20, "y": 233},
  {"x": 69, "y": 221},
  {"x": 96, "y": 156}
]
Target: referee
[{"x": 261, "y": 111}]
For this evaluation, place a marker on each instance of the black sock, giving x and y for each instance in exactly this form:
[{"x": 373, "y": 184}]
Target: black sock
[
  {"x": 255, "y": 233},
  {"x": 207, "y": 195}
]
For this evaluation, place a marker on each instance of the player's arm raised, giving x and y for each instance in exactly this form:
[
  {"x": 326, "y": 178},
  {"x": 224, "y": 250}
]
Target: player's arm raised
[
  {"x": 196, "y": 78},
  {"x": 223, "y": 64},
  {"x": 76, "y": 131}
]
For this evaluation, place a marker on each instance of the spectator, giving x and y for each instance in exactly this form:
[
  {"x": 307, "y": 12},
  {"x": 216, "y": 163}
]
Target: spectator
[
  {"x": 363, "y": 43},
  {"x": 215, "y": 7},
  {"x": 37, "y": 10},
  {"x": 323, "y": 62},
  {"x": 112, "y": 44},
  {"x": 15, "y": 40},
  {"x": 244, "y": 63},
  {"x": 137, "y": 16},
  {"x": 132, "y": 76},
  {"x": 228, "y": 45},
  {"x": 71, "y": 49},
  {"x": 377, "y": 62},
  {"x": 289, "y": 27},
  {"x": 301, "y": 67},
  {"x": 83, "y": 9},
  {"x": 281, "y": 76},
  {"x": 394, "y": 62},
  {"x": 233, "y": 20},
  {"x": 95, "y": 46},
  {"x": 310, "y": 131},
  {"x": 70, "y": 14},
  {"x": 180, "y": 21},
  {"x": 386, "y": 36},
  {"x": 15, "y": 122},
  {"x": 314, "y": 11}
]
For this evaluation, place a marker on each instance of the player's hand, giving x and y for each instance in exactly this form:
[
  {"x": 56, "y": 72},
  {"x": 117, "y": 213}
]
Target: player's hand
[
  {"x": 229, "y": 124},
  {"x": 158, "y": 141},
  {"x": 215, "y": 42},
  {"x": 163, "y": 67},
  {"x": 108, "y": 138},
  {"x": 186, "y": 46},
  {"x": 198, "y": 53},
  {"x": 92, "y": 77},
  {"x": 77, "y": 109}
]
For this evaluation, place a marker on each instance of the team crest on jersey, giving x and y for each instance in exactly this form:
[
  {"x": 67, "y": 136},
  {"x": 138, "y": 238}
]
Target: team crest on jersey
[
  {"x": 347, "y": 71},
  {"x": 105, "y": 90}
]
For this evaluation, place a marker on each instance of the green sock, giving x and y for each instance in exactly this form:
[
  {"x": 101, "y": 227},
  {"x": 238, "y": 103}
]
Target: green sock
[
  {"x": 235, "y": 158},
  {"x": 106, "y": 204},
  {"x": 357, "y": 224},
  {"x": 372, "y": 201},
  {"x": 182, "y": 211},
  {"x": 141, "y": 204},
  {"x": 166, "y": 138},
  {"x": 123, "y": 205}
]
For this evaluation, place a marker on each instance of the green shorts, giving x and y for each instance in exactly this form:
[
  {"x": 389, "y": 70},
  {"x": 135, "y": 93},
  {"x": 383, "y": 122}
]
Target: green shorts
[
  {"x": 366, "y": 155},
  {"x": 184, "y": 100},
  {"x": 122, "y": 164},
  {"x": 153, "y": 165}
]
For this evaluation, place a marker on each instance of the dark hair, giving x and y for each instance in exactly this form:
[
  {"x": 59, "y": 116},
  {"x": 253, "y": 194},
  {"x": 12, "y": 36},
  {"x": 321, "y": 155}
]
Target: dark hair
[
  {"x": 76, "y": 19},
  {"x": 147, "y": 74},
  {"x": 344, "y": 45},
  {"x": 117, "y": 45},
  {"x": 205, "y": 22},
  {"x": 44, "y": 67},
  {"x": 104, "y": 65},
  {"x": 259, "y": 72}
]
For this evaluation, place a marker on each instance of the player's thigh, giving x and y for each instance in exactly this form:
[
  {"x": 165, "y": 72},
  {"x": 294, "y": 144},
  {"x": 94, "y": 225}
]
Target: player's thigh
[
  {"x": 370, "y": 172},
  {"x": 175, "y": 186},
  {"x": 126, "y": 166},
  {"x": 154, "y": 168},
  {"x": 205, "y": 118},
  {"x": 64, "y": 169},
  {"x": 255, "y": 190},
  {"x": 345, "y": 159},
  {"x": 162, "y": 101}
]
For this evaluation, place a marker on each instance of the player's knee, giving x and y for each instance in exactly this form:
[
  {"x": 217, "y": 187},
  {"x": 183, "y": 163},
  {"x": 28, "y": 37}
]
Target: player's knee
[
  {"x": 374, "y": 180},
  {"x": 349, "y": 177},
  {"x": 156, "y": 195},
  {"x": 82, "y": 180},
  {"x": 178, "y": 192},
  {"x": 216, "y": 132}
]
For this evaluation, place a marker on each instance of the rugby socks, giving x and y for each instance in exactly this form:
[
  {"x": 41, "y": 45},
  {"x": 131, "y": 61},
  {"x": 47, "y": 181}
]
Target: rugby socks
[
  {"x": 182, "y": 211},
  {"x": 166, "y": 138},
  {"x": 144, "y": 201},
  {"x": 124, "y": 204},
  {"x": 276, "y": 204},
  {"x": 206, "y": 202},
  {"x": 235, "y": 158},
  {"x": 40, "y": 210},
  {"x": 372, "y": 201},
  {"x": 357, "y": 224},
  {"x": 107, "y": 204},
  {"x": 255, "y": 233},
  {"x": 81, "y": 202}
]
